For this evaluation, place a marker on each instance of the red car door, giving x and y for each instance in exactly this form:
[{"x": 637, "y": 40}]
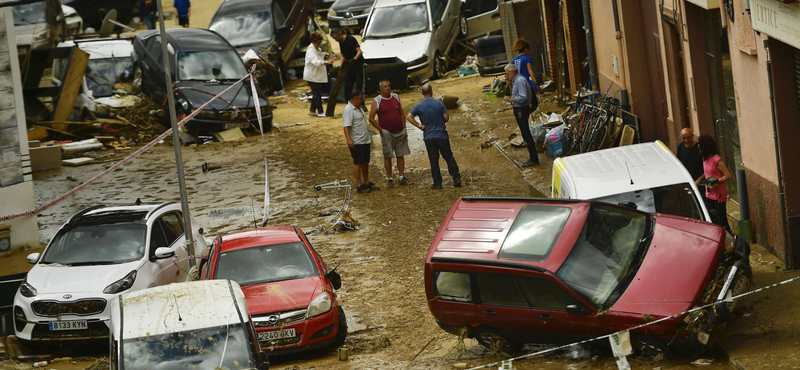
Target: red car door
[{"x": 503, "y": 307}]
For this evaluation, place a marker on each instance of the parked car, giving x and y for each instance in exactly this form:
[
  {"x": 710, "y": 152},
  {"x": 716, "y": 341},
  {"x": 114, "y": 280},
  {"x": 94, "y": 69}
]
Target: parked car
[
  {"x": 288, "y": 286},
  {"x": 203, "y": 65},
  {"x": 419, "y": 32},
  {"x": 94, "y": 11},
  {"x": 645, "y": 176},
  {"x": 349, "y": 14},
  {"x": 97, "y": 254},
  {"x": 479, "y": 18},
  {"x": 37, "y": 25},
  {"x": 280, "y": 27},
  {"x": 109, "y": 59},
  {"x": 191, "y": 325},
  {"x": 508, "y": 271}
]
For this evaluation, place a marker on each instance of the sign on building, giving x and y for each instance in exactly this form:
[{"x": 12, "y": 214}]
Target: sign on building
[{"x": 778, "y": 20}]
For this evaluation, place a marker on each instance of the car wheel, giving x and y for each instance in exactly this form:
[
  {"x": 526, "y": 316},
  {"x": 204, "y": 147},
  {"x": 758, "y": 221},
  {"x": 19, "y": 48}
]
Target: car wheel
[
  {"x": 652, "y": 347},
  {"x": 439, "y": 67},
  {"x": 493, "y": 340},
  {"x": 341, "y": 334},
  {"x": 463, "y": 28}
]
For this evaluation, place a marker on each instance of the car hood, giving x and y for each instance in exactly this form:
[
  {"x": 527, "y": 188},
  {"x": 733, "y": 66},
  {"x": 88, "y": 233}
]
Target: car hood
[
  {"x": 407, "y": 48},
  {"x": 352, "y": 5},
  {"x": 281, "y": 296},
  {"x": 76, "y": 279},
  {"x": 198, "y": 93},
  {"x": 675, "y": 270}
]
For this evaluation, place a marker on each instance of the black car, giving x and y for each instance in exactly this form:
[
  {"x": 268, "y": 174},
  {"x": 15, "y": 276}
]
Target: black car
[
  {"x": 349, "y": 14},
  {"x": 275, "y": 29},
  {"x": 203, "y": 64},
  {"x": 94, "y": 11}
]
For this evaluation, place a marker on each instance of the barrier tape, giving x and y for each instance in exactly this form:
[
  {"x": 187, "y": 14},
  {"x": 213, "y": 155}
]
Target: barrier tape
[
  {"x": 726, "y": 300},
  {"x": 126, "y": 159}
]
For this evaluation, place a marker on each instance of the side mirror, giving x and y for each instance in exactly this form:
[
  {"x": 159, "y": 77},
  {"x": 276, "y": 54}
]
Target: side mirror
[
  {"x": 575, "y": 309},
  {"x": 33, "y": 258},
  {"x": 335, "y": 278},
  {"x": 164, "y": 252}
]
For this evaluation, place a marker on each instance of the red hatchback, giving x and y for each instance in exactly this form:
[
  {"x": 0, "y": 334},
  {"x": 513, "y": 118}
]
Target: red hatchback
[
  {"x": 288, "y": 287},
  {"x": 513, "y": 271}
]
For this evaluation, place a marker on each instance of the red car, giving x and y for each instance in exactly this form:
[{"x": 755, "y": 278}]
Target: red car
[
  {"x": 287, "y": 285},
  {"x": 509, "y": 271}
]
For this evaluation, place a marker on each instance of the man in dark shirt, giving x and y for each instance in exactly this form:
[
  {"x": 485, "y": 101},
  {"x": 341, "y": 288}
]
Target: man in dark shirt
[
  {"x": 689, "y": 155},
  {"x": 351, "y": 53},
  {"x": 433, "y": 116}
]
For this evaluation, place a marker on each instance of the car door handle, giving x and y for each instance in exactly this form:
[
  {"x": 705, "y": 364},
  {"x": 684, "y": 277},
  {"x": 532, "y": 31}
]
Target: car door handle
[
  {"x": 490, "y": 312},
  {"x": 546, "y": 317}
]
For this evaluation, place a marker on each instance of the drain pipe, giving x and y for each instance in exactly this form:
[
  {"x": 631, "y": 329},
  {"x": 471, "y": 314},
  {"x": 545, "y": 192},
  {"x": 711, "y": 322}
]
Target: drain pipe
[
  {"x": 781, "y": 193},
  {"x": 623, "y": 81},
  {"x": 587, "y": 26}
]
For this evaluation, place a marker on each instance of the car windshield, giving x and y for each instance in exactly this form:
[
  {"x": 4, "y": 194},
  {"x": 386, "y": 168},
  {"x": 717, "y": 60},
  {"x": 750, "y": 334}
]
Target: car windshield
[
  {"x": 266, "y": 263},
  {"x": 396, "y": 21},
  {"x": 677, "y": 199},
  {"x": 210, "y": 65},
  {"x": 221, "y": 347},
  {"x": 243, "y": 29},
  {"x": 97, "y": 244},
  {"x": 105, "y": 71},
  {"x": 607, "y": 253},
  {"x": 29, "y": 13}
]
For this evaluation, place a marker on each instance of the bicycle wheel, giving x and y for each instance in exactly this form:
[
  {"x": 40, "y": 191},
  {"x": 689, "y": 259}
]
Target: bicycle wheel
[{"x": 598, "y": 138}]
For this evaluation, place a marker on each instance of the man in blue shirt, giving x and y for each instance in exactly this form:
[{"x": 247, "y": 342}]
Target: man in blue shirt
[
  {"x": 433, "y": 115},
  {"x": 183, "y": 9},
  {"x": 521, "y": 102}
]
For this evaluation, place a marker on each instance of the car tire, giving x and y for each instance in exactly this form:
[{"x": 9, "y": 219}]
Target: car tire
[
  {"x": 463, "y": 26},
  {"x": 341, "y": 334},
  {"x": 495, "y": 341},
  {"x": 439, "y": 69},
  {"x": 651, "y": 347}
]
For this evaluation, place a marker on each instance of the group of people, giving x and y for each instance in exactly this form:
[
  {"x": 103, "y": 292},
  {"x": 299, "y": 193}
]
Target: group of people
[
  {"x": 148, "y": 10},
  {"x": 701, "y": 158}
]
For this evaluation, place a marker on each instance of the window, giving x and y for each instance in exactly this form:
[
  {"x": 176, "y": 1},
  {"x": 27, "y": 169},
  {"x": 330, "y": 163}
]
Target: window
[
  {"x": 545, "y": 294},
  {"x": 534, "y": 232},
  {"x": 173, "y": 226},
  {"x": 437, "y": 10},
  {"x": 677, "y": 199},
  {"x": 279, "y": 12},
  {"x": 452, "y": 286},
  {"x": 155, "y": 49},
  {"x": 157, "y": 238},
  {"x": 275, "y": 262},
  {"x": 501, "y": 290}
]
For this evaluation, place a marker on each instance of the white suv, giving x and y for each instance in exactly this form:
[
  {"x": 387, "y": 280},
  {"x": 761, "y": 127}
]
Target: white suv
[{"x": 99, "y": 253}]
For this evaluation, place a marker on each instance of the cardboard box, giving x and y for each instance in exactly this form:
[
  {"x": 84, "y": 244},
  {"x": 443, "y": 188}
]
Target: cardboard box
[{"x": 45, "y": 158}]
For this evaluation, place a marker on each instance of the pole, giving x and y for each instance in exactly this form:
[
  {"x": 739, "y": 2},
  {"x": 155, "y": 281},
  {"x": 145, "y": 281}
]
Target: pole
[{"x": 187, "y": 221}]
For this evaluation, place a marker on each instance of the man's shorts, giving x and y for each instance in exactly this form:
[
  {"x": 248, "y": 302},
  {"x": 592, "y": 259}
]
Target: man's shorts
[
  {"x": 360, "y": 153},
  {"x": 395, "y": 144},
  {"x": 183, "y": 21}
]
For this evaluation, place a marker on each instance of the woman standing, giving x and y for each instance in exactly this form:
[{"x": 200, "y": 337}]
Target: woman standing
[
  {"x": 316, "y": 74},
  {"x": 524, "y": 64},
  {"x": 714, "y": 168}
]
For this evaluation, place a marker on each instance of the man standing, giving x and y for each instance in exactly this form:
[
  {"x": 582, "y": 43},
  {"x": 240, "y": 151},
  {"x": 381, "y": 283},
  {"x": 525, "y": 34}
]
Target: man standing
[
  {"x": 392, "y": 126},
  {"x": 433, "y": 116},
  {"x": 183, "y": 9},
  {"x": 521, "y": 100},
  {"x": 351, "y": 53},
  {"x": 357, "y": 134},
  {"x": 689, "y": 155},
  {"x": 147, "y": 11}
]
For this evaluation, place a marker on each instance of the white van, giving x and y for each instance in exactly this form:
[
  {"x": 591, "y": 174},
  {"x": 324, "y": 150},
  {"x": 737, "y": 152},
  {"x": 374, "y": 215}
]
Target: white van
[
  {"x": 193, "y": 325},
  {"x": 645, "y": 176}
]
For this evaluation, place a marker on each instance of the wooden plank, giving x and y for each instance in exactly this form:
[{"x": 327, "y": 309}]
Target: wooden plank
[
  {"x": 335, "y": 90},
  {"x": 627, "y": 136},
  {"x": 72, "y": 87}
]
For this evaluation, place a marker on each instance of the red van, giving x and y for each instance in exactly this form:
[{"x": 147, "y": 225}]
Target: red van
[{"x": 510, "y": 271}]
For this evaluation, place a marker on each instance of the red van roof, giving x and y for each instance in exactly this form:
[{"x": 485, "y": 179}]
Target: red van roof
[{"x": 475, "y": 229}]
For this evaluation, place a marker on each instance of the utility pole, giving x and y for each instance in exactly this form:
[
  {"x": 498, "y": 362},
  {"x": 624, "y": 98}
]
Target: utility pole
[{"x": 176, "y": 141}]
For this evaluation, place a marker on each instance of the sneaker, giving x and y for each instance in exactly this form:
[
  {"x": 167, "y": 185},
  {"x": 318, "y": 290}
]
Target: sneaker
[
  {"x": 321, "y": 115},
  {"x": 403, "y": 180},
  {"x": 390, "y": 181},
  {"x": 312, "y": 114},
  {"x": 371, "y": 186},
  {"x": 457, "y": 182},
  {"x": 530, "y": 164},
  {"x": 363, "y": 189},
  {"x": 436, "y": 186}
]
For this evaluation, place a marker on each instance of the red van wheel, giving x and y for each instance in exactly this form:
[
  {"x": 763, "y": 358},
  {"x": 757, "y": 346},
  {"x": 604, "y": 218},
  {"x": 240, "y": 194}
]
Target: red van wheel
[
  {"x": 493, "y": 340},
  {"x": 652, "y": 347}
]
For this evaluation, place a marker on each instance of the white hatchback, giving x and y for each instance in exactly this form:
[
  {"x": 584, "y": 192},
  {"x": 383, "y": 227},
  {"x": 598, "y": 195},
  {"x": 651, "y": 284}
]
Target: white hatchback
[{"x": 97, "y": 254}]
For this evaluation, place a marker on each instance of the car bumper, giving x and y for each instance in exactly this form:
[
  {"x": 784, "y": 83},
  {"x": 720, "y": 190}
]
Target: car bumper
[
  {"x": 204, "y": 125},
  {"x": 31, "y": 326},
  {"x": 455, "y": 330},
  {"x": 317, "y": 332},
  {"x": 357, "y": 22},
  {"x": 420, "y": 72}
]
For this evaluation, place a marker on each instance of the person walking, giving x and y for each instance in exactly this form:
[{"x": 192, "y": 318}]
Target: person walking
[
  {"x": 356, "y": 132},
  {"x": 689, "y": 155},
  {"x": 433, "y": 116},
  {"x": 316, "y": 74},
  {"x": 520, "y": 100},
  {"x": 147, "y": 11},
  {"x": 716, "y": 191},
  {"x": 352, "y": 57},
  {"x": 391, "y": 125},
  {"x": 524, "y": 64},
  {"x": 183, "y": 9}
]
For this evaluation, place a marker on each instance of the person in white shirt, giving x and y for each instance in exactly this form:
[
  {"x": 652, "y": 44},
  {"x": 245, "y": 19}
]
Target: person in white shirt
[
  {"x": 356, "y": 132},
  {"x": 316, "y": 74}
]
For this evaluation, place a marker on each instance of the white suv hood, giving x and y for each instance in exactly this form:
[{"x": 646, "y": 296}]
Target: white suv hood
[
  {"x": 406, "y": 48},
  {"x": 75, "y": 279}
]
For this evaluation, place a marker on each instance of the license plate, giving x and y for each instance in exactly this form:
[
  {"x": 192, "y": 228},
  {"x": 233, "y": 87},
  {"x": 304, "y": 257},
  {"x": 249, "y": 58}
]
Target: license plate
[
  {"x": 349, "y": 22},
  {"x": 276, "y": 334},
  {"x": 69, "y": 325},
  {"x": 229, "y": 126}
]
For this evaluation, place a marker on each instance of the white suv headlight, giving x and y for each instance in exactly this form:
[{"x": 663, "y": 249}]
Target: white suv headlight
[
  {"x": 121, "y": 285},
  {"x": 26, "y": 289},
  {"x": 319, "y": 305}
]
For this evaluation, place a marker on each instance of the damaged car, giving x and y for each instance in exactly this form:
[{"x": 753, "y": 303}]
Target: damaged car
[
  {"x": 349, "y": 14},
  {"x": 288, "y": 286},
  {"x": 510, "y": 271},
  {"x": 102, "y": 93},
  {"x": 203, "y": 65}
]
